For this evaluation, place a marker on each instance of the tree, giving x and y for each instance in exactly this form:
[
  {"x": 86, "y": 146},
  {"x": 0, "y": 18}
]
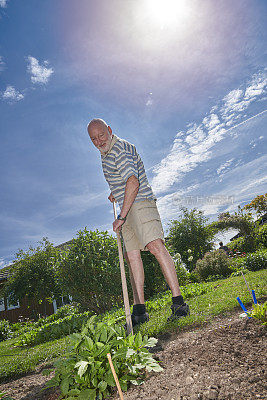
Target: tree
[
  {"x": 34, "y": 275},
  {"x": 258, "y": 204},
  {"x": 90, "y": 271},
  {"x": 190, "y": 232},
  {"x": 243, "y": 223}
]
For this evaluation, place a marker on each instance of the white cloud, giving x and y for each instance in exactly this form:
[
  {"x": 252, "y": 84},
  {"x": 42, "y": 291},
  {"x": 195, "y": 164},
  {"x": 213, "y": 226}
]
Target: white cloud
[
  {"x": 2, "y": 64},
  {"x": 11, "y": 94},
  {"x": 40, "y": 74},
  {"x": 186, "y": 154},
  {"x": 224, "y": 166},
  {"x": 2, "y": 262},
  {"x": 76, "y": 204},
  {"x": 3, "y": 3}
]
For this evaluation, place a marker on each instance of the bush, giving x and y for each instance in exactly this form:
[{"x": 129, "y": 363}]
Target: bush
[
  {"x": 243, "y": 244},
  {"x": 262, "y": 236},
  {"x": 85, "y": 372},
  {"x": 5, "y": 331},
  {"x": 154, "y": 280},
  {"x": 90, "y": 271},
  {"x": 255, "y": 261},
  {"x": 190, "y": 232},
  {"x": 213, "y": 263}
]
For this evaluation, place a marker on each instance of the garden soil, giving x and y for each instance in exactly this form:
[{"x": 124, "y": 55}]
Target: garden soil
[{"x": 224, "y": 360}]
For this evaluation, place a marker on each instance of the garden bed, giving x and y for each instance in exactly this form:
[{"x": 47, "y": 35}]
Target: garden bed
[{"x": 222, "y": 360}]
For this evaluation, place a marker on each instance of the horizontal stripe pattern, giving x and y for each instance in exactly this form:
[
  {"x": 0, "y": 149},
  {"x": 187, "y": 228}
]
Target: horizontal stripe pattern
[{"x": 121, "y": 162}]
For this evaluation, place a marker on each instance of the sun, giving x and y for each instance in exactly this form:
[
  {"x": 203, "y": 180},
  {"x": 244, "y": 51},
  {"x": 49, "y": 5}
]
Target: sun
[{"x": 167, "y": 12}]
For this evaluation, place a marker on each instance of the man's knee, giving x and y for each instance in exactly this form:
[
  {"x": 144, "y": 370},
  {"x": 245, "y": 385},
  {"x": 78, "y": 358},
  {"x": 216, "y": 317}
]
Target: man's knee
[
  {"x": 133, "y": 256},
  {"x": 156, "y": 246}
]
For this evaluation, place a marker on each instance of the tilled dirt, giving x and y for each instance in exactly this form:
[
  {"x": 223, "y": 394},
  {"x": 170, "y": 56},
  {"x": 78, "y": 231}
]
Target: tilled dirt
[{"x": 225, "y": 360}]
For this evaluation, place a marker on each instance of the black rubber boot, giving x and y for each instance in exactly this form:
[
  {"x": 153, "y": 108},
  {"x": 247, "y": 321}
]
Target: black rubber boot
[{"x": 179, "y": 311}]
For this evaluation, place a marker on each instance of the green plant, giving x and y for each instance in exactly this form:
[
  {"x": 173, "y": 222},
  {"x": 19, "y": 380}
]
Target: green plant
[
  {"x": 190, "y": 232},
  {"x": 154, "y": 281},
  {"x": 33, "y": 275},
  {"x": 243, "y": 244},
  {"x": 255, "y": 261},
  {"x": 53, "y": 330},
  {"x": 85, "y": 372},
  {"x": 214, "y": 263},
  {"x": 90, "y": 271},
  {"x": 259, "y": 312},
  {"x": 258, "y": 204},
  {"x": 62, "y": 312},
  {"x": 262, "y": 236},
  {"x": 5, "y": 330}
]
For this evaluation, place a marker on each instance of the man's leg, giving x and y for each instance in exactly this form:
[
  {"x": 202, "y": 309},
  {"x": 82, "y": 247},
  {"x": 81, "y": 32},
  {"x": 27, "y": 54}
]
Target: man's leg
[
  {"x": 158, "y": 249},
  {"x": 137, "y": 276}
]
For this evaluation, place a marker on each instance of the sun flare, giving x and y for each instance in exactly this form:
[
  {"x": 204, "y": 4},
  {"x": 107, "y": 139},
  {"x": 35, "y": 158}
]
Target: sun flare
[{"x": 167, "y": 12}]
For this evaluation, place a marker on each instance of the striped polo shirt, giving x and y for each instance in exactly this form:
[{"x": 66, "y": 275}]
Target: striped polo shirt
[{"x": 119, "y": 163}]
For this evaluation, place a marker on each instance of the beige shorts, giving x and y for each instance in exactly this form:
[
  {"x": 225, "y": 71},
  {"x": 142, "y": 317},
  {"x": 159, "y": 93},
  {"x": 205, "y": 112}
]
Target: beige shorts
[{"x": 142, "y": 226}]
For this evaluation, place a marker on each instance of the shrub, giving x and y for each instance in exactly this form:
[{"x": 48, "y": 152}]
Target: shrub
[
  {"x": 154, "y": 280},
  {"x": 255, "y": 261},
  {"x": 190, "y": 232},
  {"x": 262, "y": 236},
  {"x": 90, "y": 271},
  {"x": 5, "y": 331},
  {"x": 243, "y": 244},
  {"x": 85, "y": 372},
  {"x": 213, "y": 263}
]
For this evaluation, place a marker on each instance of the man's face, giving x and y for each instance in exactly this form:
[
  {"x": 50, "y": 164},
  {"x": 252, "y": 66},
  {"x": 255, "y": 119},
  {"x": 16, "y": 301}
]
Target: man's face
[{"x": 101, "y": 136}]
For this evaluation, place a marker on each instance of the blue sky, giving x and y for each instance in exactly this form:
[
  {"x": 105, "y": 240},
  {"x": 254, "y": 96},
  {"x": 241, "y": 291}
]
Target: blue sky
[{"x": 185, "y": 81}]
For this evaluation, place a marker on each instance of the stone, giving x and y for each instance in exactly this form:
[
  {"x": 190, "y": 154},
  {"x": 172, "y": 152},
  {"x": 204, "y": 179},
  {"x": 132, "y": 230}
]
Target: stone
[
  {"x": 210, "y": 394},
  {"x": 189, "y": 380}
]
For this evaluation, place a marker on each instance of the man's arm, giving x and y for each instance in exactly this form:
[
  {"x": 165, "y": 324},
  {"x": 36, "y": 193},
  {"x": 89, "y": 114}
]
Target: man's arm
[{"x": 131, "y": 190}]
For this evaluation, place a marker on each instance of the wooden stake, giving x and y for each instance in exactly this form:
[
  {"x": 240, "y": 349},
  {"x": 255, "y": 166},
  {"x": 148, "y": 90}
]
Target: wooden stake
[
  {"x": 115, "y": 376},
  {"x": 123, "y": 281}
]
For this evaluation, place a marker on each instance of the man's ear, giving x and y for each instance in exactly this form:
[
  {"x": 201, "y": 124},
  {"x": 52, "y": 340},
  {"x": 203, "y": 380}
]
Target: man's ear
[{"x": 110, "y": 130}]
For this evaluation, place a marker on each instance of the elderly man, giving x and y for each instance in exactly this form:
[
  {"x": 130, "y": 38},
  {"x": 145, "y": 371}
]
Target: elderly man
[{"x": 139, "y": 220}]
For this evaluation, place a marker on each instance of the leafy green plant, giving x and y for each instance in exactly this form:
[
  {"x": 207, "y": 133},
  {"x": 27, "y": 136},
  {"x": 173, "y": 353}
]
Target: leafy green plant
[
  {"x": 262, "y": 236},
  {"x": 62, "y": 312},
  {"x": 214, "y": 263},
  {"x": 243, "y": 244},
  {"x": 256, "y": 261},
  {"x": 85, "y": 372},
  {"x": 259, "y": 312},
  {"x": 90, "y": 271},
  {"x": 53, "y": 330},
  {"x": 190, "y": 232}
]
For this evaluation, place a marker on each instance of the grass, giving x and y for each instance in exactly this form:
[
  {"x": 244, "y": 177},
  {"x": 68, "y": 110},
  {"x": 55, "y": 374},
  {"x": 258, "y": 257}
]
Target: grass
[{"x": 217, "y": 298}]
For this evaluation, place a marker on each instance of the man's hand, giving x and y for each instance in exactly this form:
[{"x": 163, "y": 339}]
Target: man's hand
[
  {"x": 117, "y": 224},
  {"x": 111, "y": 198}
]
